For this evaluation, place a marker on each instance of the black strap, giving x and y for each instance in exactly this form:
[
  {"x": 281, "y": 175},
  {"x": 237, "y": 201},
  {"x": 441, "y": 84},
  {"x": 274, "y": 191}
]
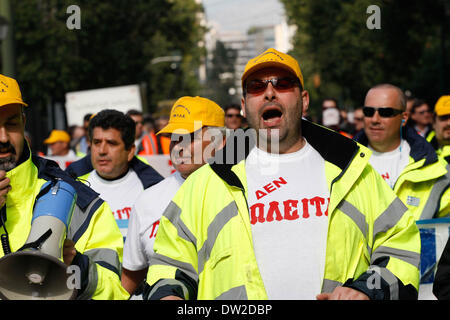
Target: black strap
[
  {"x": 38, "y": 243},
  {"x": 3, "y": 216}
]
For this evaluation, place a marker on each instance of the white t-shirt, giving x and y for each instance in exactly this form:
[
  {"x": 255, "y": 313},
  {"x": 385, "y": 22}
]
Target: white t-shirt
[
  {"x": 144, "y": 221},
  {"x": 289, "y": 220},
  {"x": 64, "y": 161},
  {"x": 120, "y": 194},
  {"x": 391, "y": 164}
]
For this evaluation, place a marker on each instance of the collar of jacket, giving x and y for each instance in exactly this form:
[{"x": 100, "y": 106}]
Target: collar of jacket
[
  {"x": 49, "y": 170},
  {"x": 420, "y": 148},
  {"x": 145, "y": 173},
  {"x": 332, "y": 146}
]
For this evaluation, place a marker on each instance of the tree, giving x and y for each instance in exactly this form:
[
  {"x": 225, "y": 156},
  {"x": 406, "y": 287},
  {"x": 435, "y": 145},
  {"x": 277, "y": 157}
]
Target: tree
[
  {"x": 114, "y": 46},
  {"x": 334, "y": 44},
  {"x": 221, "y": 75}
]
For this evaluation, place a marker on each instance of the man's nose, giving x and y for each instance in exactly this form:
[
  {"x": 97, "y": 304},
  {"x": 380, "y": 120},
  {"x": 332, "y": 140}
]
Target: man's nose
[
  {"x": 376, "y": 117},
  {"x": 3, "y": 135},
  {"x": 270, "y": 92},
  {"x": 103, "y": 149}
]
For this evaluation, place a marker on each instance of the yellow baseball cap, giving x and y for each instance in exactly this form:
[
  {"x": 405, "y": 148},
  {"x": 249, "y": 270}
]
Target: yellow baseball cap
[
  {"x": 10, "y": 92},
  {"x": 272, "y": 58},
  {"x": 190, "y": 114},
  {"x": 57, "y": 135},
  {"x": 442, "y": 106}
]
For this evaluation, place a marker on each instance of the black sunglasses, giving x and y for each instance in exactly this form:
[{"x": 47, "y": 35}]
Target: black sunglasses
[
  {"x": 280, "y": 84},
  {"x": 385, "y": 112}
]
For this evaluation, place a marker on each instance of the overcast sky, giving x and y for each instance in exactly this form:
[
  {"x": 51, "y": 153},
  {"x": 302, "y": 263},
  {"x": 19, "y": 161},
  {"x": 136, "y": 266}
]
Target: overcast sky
[{"x": 242, "y": 14}]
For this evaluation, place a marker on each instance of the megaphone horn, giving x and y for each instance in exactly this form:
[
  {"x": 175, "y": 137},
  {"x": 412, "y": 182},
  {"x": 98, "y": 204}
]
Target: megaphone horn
[{"x": 37, "y": 271}]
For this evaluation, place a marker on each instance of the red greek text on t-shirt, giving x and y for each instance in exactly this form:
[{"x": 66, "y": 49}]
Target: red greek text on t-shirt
[
  {"x": 270, "y": 187},
  {"x": 122, "y": 214},
  {"x": 385, "y": 176},
  {"x": 288, "y": 210},
  {"x": 154, "y": 229}
]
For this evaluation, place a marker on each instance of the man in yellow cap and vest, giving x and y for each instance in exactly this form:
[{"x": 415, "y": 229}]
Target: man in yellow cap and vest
[
  {"x": 193, "y": 123},
  {"x": 302, "y": 216},
  {"x": 93, "y": 244},
  {"x": 59, "y": 144},
  {"x": 440, "y": 137}
]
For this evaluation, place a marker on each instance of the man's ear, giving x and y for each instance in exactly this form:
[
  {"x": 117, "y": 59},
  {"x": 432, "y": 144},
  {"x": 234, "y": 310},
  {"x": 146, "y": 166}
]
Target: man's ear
[
  {"x": 404, "y": 118},
  {"x": 305, "y": 101},
  {"x": 131, "y": 152},
  {"x": 243, "y": 107}
]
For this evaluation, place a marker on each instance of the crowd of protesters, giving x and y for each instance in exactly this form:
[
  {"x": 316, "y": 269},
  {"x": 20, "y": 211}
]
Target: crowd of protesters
[{"x": 237, "y": 230}]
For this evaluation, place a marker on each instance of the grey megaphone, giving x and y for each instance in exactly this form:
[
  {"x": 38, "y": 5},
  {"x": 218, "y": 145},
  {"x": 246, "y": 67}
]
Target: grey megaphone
[{"x": 37, "y": 271}]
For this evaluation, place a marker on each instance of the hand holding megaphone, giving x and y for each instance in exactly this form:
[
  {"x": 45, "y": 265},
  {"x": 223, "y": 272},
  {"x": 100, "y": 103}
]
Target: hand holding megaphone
[
  {"x": 69, "y": 251},
  {"x": 4, "y": 187},
  {"x": 38, "y": 270}
]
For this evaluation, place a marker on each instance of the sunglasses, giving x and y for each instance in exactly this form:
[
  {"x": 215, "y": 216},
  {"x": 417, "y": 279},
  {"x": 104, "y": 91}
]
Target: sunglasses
[
  {"x": 280, "y": 84},
  {"x": 383, "y": 112}
]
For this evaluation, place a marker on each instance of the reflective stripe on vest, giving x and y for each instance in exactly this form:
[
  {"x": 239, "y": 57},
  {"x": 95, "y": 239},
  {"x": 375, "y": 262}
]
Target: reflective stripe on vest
[
  {"x": 158, "y": 259},
  {"x": 220, "y": 220},
  {"x": 236, "y": 293},
  {"x": 81, "y": 220},
  {"x": 171, "y": 282},
  {"x": 431, "y": 208},
  {"x": 172, "y": 213},
  {"x": 107, "y": 258}
]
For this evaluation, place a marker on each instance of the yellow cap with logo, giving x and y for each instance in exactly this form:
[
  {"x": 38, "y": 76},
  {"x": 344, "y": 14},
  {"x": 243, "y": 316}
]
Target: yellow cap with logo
[
  {"x": 10, "y": 92},
  {"x": 190, "y": 114},
  {"x": 442, "y": 106},
  {"x": 272, "y": 58},
  {"x": 56, "y": 136}
]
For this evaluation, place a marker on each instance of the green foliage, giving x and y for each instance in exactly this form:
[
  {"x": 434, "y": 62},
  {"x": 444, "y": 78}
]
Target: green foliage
[
  {"x": 221, "y": 75},
  {"x": 334, "y": 43},
  {"x": 115, "y": 46}
]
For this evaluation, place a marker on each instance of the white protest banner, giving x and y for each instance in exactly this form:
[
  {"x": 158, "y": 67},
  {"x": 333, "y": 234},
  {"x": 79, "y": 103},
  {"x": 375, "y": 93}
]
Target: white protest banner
[
  {"x": 434, "y": 234},
  {"x": 80, "y": 103}
]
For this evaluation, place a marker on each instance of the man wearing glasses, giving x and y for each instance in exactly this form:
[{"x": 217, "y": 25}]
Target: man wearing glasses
[
  {"x": 403, "y": 158},
  {"x": 318, "y": 227},
  {"x": 233, "y": 118}
]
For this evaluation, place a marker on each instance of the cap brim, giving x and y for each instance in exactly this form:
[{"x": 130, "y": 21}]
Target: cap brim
[
  {"x": 264, "y": 65},
  {"x": 180, "y": 128},
  {"x": 5, "y": 102}
]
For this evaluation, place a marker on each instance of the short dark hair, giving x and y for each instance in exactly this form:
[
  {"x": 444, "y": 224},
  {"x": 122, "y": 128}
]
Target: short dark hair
[
  {"x": 331, "y": 99},
  {"x": 109, "y": 118},
  {"x": 232, "y": 106},
  {"x": 417, "y": 103},
  {"x": 133, "y": 112},
  {"x": 87, "y": 117}
]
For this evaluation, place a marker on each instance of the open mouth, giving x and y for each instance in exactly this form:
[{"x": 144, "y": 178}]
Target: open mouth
[
  {"x": 272, "y": 116},
  {"x": 6, "y": 152}
]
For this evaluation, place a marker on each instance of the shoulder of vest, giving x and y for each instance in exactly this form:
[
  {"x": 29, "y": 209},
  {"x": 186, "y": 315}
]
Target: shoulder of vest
[
  {"x": 146, "y": 173},
  {"x": 80, "y": 167},
  {"x": 420, "y": 147},
  {"x": 49, "y": 170}
]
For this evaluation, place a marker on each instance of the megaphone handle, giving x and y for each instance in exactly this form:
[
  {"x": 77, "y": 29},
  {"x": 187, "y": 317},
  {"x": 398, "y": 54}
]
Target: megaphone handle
[
  {"x": 37, "y": 244},
  {"x": 4, "y": 237},
  {"x": 5, "y": 244}
]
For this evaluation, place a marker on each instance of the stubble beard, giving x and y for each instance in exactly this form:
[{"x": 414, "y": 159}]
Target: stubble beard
[{"x": 8, "y": 163}]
